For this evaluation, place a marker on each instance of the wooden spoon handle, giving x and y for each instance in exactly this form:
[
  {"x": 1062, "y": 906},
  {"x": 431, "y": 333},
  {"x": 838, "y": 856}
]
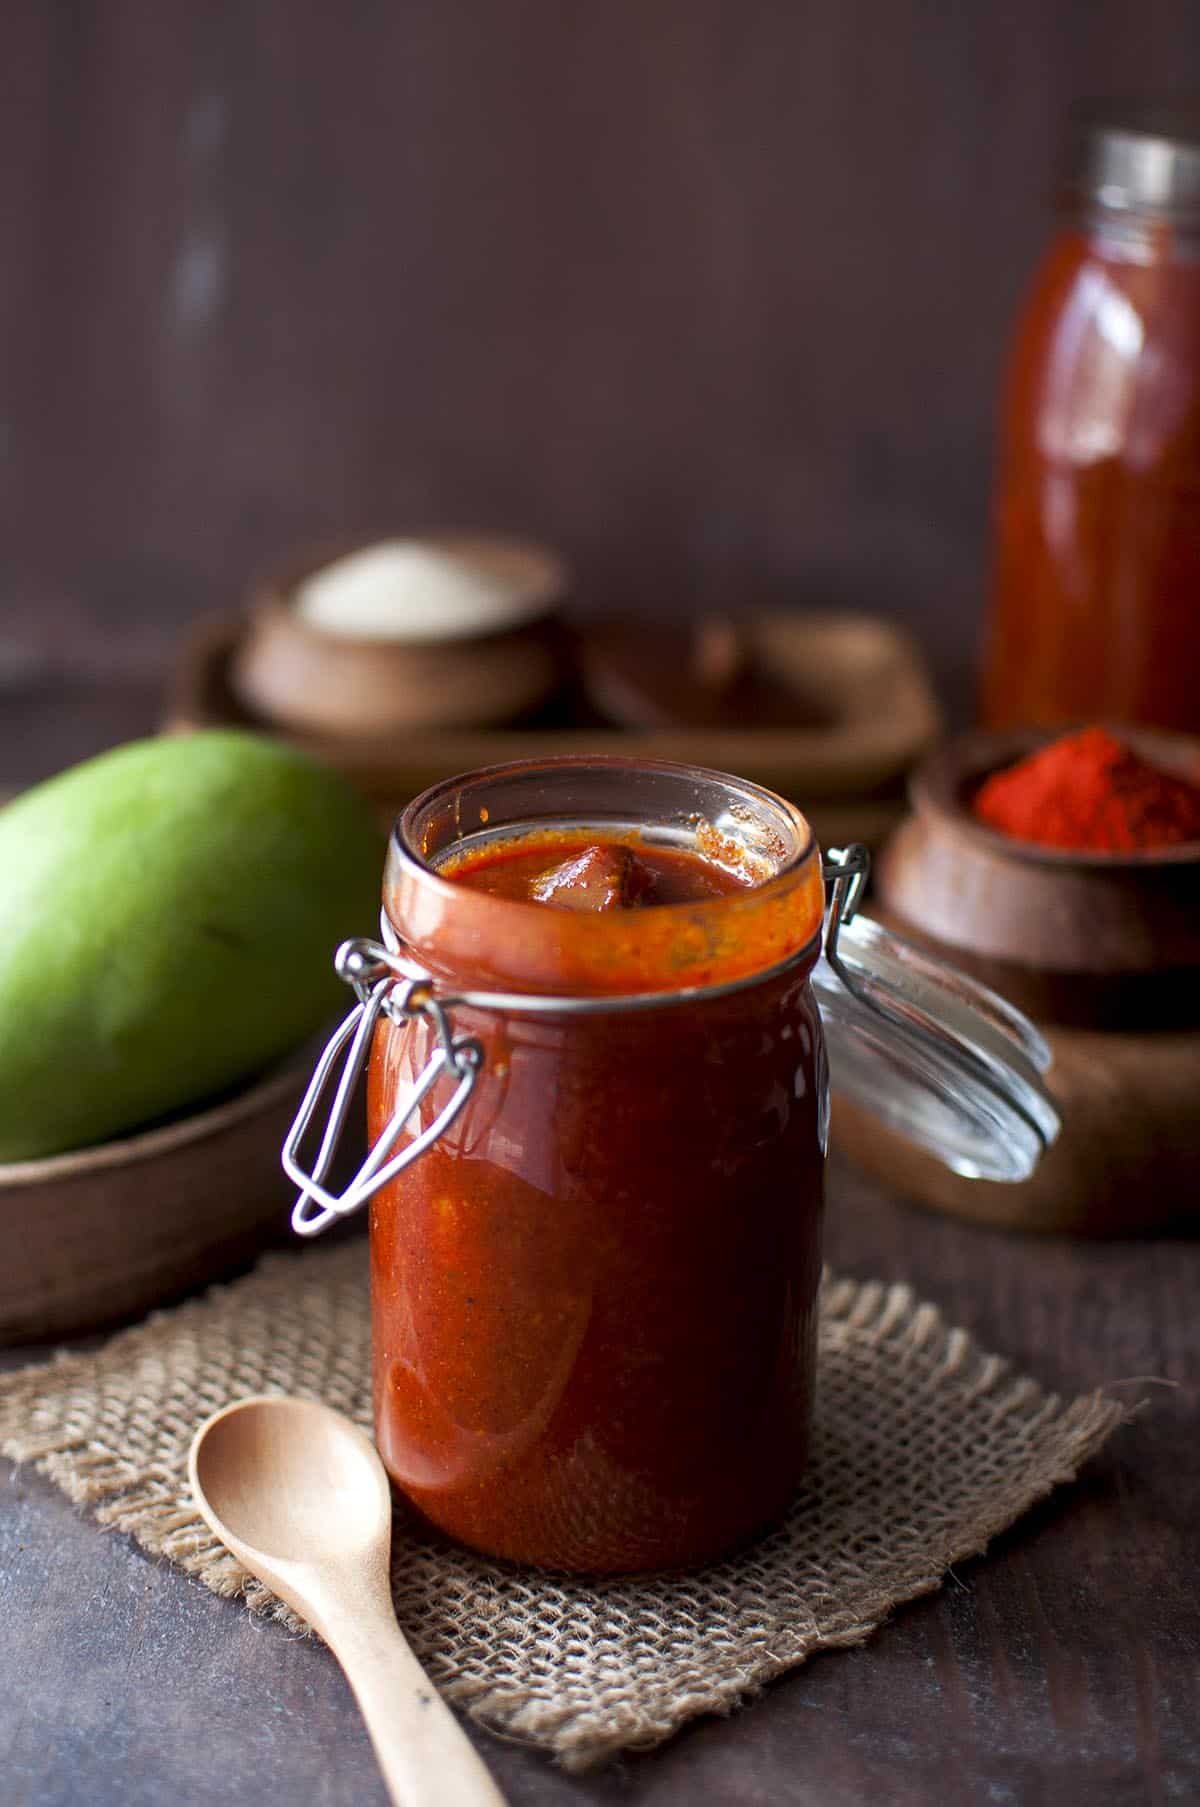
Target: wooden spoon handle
[{"x": 426, "y": 1758}]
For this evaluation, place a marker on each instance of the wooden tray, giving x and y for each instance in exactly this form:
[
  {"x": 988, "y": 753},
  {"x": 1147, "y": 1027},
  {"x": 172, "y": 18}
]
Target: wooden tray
[{"x": 847, "y": 776}]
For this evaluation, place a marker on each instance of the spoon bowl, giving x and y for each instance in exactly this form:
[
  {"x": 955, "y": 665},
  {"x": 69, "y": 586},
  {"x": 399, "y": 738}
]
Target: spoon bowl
[
  {"x": 299, "y": 1495},
  {"x": 328, "y": 1495}
]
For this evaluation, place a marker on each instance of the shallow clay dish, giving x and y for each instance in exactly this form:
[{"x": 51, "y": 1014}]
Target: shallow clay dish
[
  {"x": 716, "y": 673},
  {"x": 103, "y": 1233},
  {"x": 304, "y": 677},
  {"x": 1093, "y": 940}
]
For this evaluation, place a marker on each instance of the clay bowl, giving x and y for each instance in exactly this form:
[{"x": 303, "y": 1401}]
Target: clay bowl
[
  {"x": 304, "y": 677},
  {"x": 105, "y": 1232},
  {"x": 1093, "y": 940}
]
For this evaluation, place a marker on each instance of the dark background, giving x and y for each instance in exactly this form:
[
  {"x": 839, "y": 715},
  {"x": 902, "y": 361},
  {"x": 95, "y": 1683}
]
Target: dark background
[{"x": 712, "y": 293}]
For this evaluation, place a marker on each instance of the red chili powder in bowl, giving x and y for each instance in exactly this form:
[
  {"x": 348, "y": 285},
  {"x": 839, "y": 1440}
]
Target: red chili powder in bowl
[{"x": 1090, "y": 791}]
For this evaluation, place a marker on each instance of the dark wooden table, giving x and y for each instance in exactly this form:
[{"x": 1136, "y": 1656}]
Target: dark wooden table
[{"x": 1060, "y": 1668}]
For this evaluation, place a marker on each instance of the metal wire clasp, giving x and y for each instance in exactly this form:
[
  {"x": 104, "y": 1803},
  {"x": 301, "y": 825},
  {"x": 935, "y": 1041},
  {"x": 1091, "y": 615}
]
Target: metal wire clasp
[
  {"x": 846, "y": 870},
  {"x": 381, "y": 987}
]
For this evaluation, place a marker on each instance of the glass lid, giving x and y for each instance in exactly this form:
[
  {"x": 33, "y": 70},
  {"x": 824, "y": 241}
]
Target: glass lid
[{"x": 937, "y": 1057}]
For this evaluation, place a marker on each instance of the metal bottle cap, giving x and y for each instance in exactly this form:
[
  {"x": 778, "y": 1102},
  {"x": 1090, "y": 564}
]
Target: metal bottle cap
[{"x": 1137, "y": 157}]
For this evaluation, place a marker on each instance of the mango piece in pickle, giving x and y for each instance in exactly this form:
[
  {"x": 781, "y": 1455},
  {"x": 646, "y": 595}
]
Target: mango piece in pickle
[{"x": 599, "y": 878}]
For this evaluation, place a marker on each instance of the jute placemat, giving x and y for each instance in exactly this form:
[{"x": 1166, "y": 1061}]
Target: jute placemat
[{"x": 925, "y": 1449}]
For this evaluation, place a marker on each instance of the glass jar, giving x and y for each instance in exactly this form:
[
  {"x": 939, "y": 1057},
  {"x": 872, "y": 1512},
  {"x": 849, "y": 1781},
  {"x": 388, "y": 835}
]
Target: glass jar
[
  {"x": 1096, "y": 603},
  {"x": 597, "y": 1155}
]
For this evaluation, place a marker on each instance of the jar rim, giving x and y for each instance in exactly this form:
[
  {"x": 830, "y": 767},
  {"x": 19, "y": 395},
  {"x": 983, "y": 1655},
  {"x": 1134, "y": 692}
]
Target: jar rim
[{"x": 669, "y": 947}]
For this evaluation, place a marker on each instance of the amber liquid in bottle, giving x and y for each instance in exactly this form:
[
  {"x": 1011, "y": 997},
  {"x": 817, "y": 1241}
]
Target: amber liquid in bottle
[{"x": 1096, "y": 600}]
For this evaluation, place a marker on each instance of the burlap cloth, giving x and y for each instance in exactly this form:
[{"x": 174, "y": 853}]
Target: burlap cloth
[{"x": 925, "y": 1448}]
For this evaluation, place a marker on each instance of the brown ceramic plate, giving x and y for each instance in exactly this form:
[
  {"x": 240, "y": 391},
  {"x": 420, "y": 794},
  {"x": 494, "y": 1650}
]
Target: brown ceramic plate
[{"x": 106, "y": 1232}]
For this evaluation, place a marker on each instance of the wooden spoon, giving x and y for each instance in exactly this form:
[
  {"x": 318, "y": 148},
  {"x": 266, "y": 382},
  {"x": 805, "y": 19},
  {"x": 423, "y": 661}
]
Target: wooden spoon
[{"x": 299, "y": 1495}]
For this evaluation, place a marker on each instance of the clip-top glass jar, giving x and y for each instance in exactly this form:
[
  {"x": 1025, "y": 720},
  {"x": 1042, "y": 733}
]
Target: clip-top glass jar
[
  {"x": 597, "y": 1151},
  {"x": 1096, "y": 601}
]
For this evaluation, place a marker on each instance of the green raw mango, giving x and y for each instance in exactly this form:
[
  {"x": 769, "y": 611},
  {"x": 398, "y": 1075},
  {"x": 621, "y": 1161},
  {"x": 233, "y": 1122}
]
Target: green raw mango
[{"x": 168, "y": 917}]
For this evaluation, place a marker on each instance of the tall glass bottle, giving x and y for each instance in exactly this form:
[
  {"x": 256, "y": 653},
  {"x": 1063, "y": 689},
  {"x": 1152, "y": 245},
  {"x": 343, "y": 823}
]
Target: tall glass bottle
[{"x": 1096, "y": 600}]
